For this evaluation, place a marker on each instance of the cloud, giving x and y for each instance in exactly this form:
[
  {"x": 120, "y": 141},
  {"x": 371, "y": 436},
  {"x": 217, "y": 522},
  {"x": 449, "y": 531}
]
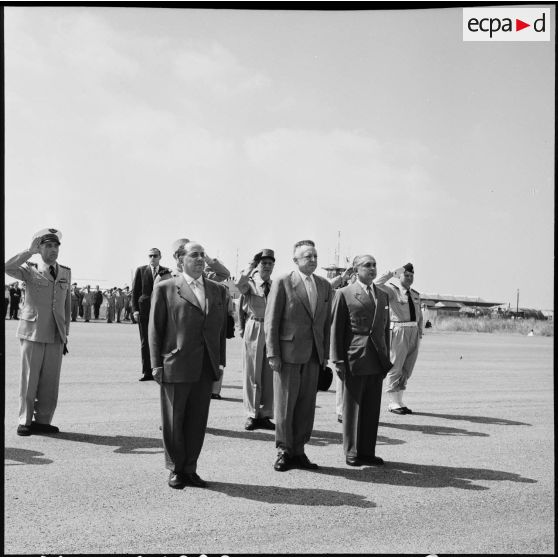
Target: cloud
[{"x": 218, "y": 71}]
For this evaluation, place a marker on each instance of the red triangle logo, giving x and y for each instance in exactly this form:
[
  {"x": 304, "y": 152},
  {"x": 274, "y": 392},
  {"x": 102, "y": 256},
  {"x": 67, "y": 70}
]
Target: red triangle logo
[{"x": 519, "y": 25}]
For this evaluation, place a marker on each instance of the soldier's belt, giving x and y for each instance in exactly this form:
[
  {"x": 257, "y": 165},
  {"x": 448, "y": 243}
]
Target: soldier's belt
[
  {"x": 256, "y": 319},
  {"x": 405, "y": 324}
]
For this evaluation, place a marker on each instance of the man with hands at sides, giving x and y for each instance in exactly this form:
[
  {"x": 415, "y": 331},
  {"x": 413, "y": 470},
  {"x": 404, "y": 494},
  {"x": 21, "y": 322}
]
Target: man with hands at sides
[
  {"x": 360, "y": 340},
  {"x": 187, "y": 342},
  {"x": 297, "y": 328}
]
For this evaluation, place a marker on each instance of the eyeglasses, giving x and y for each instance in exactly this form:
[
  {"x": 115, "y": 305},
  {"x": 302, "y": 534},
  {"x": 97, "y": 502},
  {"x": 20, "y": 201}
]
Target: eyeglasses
[{"x": 154, "y": 256}]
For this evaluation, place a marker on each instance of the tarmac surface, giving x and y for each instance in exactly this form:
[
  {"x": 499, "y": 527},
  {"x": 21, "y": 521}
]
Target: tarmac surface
[{"x": 470, "y": 472}]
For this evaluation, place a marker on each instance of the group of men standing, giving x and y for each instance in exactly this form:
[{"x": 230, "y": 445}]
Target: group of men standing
[
  {"x": 290, "y": 326},
  {"x": 86, "y": 303}
]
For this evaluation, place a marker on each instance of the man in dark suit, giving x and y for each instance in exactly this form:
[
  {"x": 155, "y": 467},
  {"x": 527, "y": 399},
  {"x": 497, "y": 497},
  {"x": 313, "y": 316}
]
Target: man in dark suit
[
  {"x": 141, "y": 304},
  {"x": 187, "y": 337},
  {"x": 98, "y": 300},
  {"x": 297, "y": 328},
  {"x": 360, "y": 350}
]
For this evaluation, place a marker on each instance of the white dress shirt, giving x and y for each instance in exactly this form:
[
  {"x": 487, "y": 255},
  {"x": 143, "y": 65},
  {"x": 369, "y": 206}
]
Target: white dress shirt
[
  {"x": 311, "y": 290},
  {"x": 197, "y": 287}
]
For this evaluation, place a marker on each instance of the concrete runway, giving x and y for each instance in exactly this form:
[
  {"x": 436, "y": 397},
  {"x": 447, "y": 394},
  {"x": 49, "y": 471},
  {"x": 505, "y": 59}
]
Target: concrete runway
[{"x": 471, "y": 472}]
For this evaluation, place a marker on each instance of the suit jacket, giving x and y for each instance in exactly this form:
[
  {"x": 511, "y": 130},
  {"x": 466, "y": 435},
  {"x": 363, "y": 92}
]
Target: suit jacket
[
  {"x": 290, "y": 329},
  {"x": 179, "y": 329},
  {"x": 47, "y": 307},
  {"x": 360, "y": 333},
  {"x": 142, "y": 287}
]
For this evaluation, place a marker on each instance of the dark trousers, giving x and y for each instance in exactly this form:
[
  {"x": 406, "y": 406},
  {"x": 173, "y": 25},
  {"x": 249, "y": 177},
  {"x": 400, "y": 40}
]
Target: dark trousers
[
  {"x": 96, "y": 309},
  {"x": 184, "y": 413},
  {"x": 362, "y": 396},
  {"x": 14, "y": 307},
  {"x": 143, "y": 323},
  {"x": 294, "y": 391}
]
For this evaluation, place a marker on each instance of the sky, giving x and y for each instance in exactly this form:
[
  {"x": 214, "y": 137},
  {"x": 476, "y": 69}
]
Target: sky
[{"x": 380, "y": 132}]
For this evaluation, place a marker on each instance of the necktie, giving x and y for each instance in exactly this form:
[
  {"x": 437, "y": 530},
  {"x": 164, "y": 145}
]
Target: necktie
[
  {"x": 198, "y": 292},
  {"x": 369, "y": 291},
  {"x": 266, "y": 288},
  {"x": 311, "y": 294},
  {"x": 154, "y": 272},
  {"x": 411, "y": 307},
  {"x": 52, "y": 271}
]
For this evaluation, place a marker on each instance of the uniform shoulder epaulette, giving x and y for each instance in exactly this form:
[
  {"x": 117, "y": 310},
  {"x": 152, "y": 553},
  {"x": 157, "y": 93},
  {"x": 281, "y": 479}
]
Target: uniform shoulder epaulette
[
  {"x": 416, "y": 292},
  {"x": 64, "y": 267}
]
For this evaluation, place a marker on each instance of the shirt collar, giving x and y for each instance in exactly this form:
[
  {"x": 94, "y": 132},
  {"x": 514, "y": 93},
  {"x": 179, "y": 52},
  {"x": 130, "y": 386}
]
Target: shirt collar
[
  {"x": 365, "y": 287},
  {"x": 303, "y": 276},
  {"x": 44, "y": 267},
  {"x": 190, "y": 280}
]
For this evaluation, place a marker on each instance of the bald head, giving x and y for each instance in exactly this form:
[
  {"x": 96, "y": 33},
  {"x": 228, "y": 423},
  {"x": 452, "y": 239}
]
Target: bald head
[{"x": 193, "y": 259}]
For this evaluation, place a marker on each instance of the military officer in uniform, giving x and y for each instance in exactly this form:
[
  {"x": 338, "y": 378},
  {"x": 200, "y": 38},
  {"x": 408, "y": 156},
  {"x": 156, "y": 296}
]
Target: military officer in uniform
[
  {"x": 87, "y": 301},
  {"x": 43, "y": 330},
  {"x": 406, "y": 325},
  {"x": 255, "y": 284}
]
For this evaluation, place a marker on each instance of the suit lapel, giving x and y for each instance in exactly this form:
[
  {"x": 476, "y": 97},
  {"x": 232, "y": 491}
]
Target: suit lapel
[
  {"x": 300, "y": 291},
  {"x": 364, "y": 299},
  {"x": 184, "y": 291}
]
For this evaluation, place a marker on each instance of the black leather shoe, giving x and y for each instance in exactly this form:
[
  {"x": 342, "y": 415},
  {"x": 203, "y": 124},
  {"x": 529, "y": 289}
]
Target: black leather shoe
[
  {"x": 283, "y": 462},
  {"x": 354, "y": 462},
  {"x": 23, "y": 430},
  {"x": 176, "y": 480},
  {"x": 215, "y": 396},
  {"x": 371, "y": 460},
  {"x": 193, "y": 479},
  {"x": 398, "y": 411},
  {"x": 407, "y": 411},
  {"x": 47, "y": 428},
  {"x": 303, "y": 462},
  {"x": 146, "y": 378},
  {"x": 250, "y": 424},
  {"x": 265, "y": 424}
]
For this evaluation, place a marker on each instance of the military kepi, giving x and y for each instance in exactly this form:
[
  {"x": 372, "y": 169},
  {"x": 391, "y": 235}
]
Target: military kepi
[
  {"x": 409, "y": 267},
  {"x": 265, "y": 253},
  {"x": 48, "y": 235}
]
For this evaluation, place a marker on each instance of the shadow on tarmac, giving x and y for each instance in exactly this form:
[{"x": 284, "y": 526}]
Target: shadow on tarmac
[
  {"x": 319, "y": 437},
  {"x": 291, "y": 496},
  {"x": 481, "y": 420},
  {"x": 434, "y": 430},
  {"x": 425, "y": 476},
  {"x": 126, "y": 444},
  {"x": 25, "y": 457},
  {"x": 230, "y": 399}
]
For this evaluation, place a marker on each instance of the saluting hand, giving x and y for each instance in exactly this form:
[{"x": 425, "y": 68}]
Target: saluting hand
[{"x": 35, "y": 243}]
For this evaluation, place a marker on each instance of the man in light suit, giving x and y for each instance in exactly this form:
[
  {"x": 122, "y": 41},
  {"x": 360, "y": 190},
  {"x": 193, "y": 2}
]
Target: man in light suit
[
  {"x": 297, "y": 328},
  {"x": 187, "y": 336},
  {"x": 43, "y": 330},
  {"x": 360, "y": 350},
  {"x": 142, "y": 288}
]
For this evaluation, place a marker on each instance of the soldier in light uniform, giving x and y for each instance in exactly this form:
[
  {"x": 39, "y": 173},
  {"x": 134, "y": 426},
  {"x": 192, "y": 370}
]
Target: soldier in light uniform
[
  {"x": 406, "y": 325},
  {"x": 43, "y": 330},
  {"x": 255, "y": 283}
]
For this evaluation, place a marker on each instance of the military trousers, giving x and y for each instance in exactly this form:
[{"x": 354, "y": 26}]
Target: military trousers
[
  {"x": 294, "y": 389},
  {"x": 403, "y": 355},
  {"x": 40, "y": 379}
]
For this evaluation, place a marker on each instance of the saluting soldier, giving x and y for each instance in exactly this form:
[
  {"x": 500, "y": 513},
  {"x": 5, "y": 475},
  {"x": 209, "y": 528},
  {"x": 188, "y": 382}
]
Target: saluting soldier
[
  {"x": 43, "y": 330},
  {"x": 87, "y": 301},
  {"x": 406, "y": 325},
  {"x": 255, "y": 283}
]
